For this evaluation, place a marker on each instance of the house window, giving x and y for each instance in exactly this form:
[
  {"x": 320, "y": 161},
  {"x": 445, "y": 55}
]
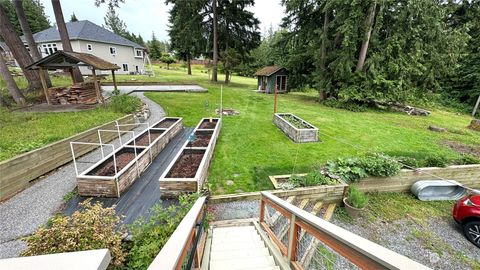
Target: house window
[
  {"x": 49, "y": 48},
  {"x": 125, "y": 67},
  {"x": 90, "y": 48},
  {"x": 113, "y": 51},
  {"x": 138, "y": 53}
]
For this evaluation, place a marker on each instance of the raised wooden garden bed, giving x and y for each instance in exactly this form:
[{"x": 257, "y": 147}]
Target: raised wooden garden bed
[
  {"x": 189, "y": 169},
  {"x": 159, "y": 137},
  {"x": 297, "y": 129},
  {"x": 109, "y": 179},
  {"x": 328, "y": 193}
]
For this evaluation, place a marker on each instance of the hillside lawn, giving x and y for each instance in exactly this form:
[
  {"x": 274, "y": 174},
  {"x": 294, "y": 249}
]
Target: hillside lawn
[{"x": 250, "y": 147}]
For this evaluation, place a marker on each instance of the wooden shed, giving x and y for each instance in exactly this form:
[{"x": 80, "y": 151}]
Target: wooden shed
[{"x": 271, "y": 77}]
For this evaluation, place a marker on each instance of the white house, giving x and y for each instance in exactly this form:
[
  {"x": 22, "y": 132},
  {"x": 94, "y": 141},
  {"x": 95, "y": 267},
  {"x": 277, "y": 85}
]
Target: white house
[{"x": 87, "y": 37}]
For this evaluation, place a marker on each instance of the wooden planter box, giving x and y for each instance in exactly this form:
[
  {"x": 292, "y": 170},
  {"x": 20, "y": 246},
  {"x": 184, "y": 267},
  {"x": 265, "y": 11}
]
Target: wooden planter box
[
  {"x": 328, "y": 193},
  {"x": 159, "y": 137},
  {"x": 172, "y": 186},
  {"x": 113, "y": 185},
  {"x": 307, "y": 134}
]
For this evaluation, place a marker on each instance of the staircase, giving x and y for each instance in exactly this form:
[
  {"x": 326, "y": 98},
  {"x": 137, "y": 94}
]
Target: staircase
[{"x": 239, "y": 248}]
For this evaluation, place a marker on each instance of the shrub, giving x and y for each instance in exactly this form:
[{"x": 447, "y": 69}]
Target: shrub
[
  {"x": 91, "y": 227},
  {"x": 150, "y": 236},
  {"x": 437, "y": 161},
  {"x": 356, "y": 168},
  {"x": 356, "y": 198},
  {"x": 125, "y": 103}
]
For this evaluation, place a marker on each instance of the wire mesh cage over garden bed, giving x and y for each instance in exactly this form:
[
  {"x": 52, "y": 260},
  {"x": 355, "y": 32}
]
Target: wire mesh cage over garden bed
[
  {"x": 188, "y": 170},
  {"x": 117, "y": 171},
  {"x": 297, "y": 129}
]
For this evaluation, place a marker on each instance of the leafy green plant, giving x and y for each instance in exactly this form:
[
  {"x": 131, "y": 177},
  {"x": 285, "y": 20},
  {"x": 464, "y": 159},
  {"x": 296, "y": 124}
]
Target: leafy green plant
[
  {"x": 295, "y": 121},
  {"x": 437, "y": 160},
  {"x": 468, "y": 159},
  {"x": 70, "y": 195},
  {"x": 125, "y": 103},
  {"x": 91, "y": 227},
  {"x": 314, "y": 178},
  {"x": 356, "y": 198},
  {"x": 356, "y": 168},
  {"x": 151, "y": 235}
]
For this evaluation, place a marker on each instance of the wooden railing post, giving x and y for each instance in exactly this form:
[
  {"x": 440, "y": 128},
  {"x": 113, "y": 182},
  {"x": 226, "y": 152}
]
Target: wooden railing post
[
  {"x": 292, "y": 239},
  {"x": 262, "y": 210}
]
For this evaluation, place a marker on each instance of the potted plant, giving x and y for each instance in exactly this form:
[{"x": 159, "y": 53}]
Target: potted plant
[{"x": 355, "y": 202}]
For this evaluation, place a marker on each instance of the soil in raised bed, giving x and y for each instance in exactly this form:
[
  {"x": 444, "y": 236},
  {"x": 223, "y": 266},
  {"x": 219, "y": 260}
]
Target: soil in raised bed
[
  {"x": 296, "y": 122},
  {"x": 206, "y": 124},
  {"x": 186, "y": 166},
  {"x": 202, "y": 139},
  {"x": 166, "y": 123},
  {"x": 143, "y": 139},
  {"x": 107, "y": 168}
]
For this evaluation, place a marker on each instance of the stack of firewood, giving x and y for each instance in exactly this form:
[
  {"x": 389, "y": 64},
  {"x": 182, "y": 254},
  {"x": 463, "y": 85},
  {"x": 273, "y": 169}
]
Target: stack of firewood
[{"x": 80, "y": 93}]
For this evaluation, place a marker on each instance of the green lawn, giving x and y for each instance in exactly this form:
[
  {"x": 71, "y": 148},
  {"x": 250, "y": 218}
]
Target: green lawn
[
  {"x": 22, "y": 132},
  {"x": 250, "y": 147}
]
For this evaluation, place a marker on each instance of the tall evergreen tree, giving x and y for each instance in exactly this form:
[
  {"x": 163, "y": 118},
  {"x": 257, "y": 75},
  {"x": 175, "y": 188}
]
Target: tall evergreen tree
[
  {"x": 186, "y": 31},
  {"x": 113, "y": 22},
  {"x": 73, "y": 18},
  {"x": 154, "y": 47},
  {"x": 62, "y": 30},
  {"x": 34, "y": 13},
  {"x": 20, "y": 53}
]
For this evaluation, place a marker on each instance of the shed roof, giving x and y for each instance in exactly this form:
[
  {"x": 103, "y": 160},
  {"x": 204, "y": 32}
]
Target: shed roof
[
  {"x": 267, "y": 71},
  {"x": 84, "y": 30},
  {"x": 62, "y": 59}
]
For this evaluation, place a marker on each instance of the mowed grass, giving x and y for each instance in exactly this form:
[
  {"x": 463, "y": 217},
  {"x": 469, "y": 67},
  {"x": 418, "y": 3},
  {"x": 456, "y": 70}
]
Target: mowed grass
[
  {"x": 22, "y": 132},
  {"x": 250, "y": 147}
]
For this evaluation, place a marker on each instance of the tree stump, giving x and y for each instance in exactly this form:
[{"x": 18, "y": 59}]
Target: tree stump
[{"x": 475, "y": 125}]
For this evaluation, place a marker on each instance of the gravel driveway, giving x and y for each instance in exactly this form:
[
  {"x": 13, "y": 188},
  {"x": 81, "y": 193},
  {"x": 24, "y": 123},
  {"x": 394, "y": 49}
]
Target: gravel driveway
[
  {"x": 31, "y": 208},
  {"x": 439, "y": 243}
]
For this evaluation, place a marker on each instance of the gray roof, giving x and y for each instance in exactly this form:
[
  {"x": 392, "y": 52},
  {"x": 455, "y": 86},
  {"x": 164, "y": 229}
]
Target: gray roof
[{"x": 84, "y": 30}]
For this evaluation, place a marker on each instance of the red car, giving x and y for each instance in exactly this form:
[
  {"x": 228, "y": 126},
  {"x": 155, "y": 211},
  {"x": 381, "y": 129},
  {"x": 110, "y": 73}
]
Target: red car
[{"x": 467, "y": 213}]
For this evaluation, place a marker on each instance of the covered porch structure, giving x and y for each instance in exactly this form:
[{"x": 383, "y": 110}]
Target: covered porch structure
[{"x": 68, "y": 61}]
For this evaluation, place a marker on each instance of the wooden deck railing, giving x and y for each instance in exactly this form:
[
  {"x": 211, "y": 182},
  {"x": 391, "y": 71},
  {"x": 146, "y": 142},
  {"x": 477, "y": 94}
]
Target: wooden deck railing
[
  {"x": 357, "y": 250},
  {"x": 184, "y": 240}
]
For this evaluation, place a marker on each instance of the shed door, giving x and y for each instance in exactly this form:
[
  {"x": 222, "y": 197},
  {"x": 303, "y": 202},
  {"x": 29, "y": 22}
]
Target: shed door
[{"x": 281, "y": 83}]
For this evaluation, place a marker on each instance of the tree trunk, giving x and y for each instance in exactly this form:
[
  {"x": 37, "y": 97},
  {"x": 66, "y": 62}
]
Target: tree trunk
[
  {"x": 19, "y": 51},
  {"x": 369, "y": 25},
  {"x": 323, "y": 52},
  {"x": 62, "y": 30},
  {"x": 227, "y": 76},
  {"x": 215, "y": 42},
  {"x": 27, "y": 32},
  {"x": 11, "y": 84},
  {"x": 189, "y": 65}
]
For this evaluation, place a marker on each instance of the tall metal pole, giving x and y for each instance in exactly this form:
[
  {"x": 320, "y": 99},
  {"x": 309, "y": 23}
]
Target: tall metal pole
[
  {"x": 275, "y": 100},
  {"x": 221, "y": 101},
  {"x": 476, "y": 106}
]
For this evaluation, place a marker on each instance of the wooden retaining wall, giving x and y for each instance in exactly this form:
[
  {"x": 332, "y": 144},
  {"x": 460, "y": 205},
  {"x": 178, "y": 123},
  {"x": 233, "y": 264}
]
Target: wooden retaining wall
[
  {"x": 295, "y": 134},
  {"x": 468, "y": 175},
  {"x": 17, "y": 173}
]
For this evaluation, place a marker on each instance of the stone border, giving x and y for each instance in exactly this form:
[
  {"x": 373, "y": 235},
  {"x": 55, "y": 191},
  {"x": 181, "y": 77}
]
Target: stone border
[
  {"x": 172, "y": 187},
  {"x": 19, "y": 171},
  {"x": 295, "y": 134},
  {"x": 114, "y": 186}
]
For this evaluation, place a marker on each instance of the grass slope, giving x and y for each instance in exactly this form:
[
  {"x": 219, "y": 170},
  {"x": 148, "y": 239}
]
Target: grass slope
[
  {"x": 250, "y": 147},
  {"x": 22, "y": 132}
]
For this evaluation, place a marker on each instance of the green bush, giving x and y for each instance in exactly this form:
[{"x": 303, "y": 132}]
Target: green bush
[
  {"x": 125, "y": 103},
  {"x": 356, "y": 168},
  {"x": 468, "y": 159},
  {"x": 150, "y": 236},
  {"x": 92, "y": 227},
  {"x": 349, "y": 106},
  {"x": 437, "y": 161},
  {"x": 356, "y": 198}
]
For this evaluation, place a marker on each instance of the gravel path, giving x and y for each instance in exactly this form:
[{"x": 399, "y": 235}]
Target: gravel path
[
  {"x": 438, "y": 244},
  {"x": 235, "y": 210},
  {"x": 25, "y": 212}
]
